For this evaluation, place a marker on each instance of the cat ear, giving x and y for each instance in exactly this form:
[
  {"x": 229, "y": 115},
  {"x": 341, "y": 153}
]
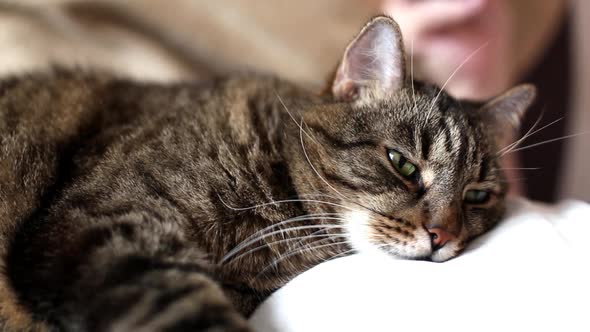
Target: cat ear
[
  {"x": 373, "y": 65},
  {"x": 507, "y": 110}
]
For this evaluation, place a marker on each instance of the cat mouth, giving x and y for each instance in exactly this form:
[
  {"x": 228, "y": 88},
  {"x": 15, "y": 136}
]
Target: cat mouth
[
  {"x": 399, "y": 239},
  {"x": 437, "y": 255}
]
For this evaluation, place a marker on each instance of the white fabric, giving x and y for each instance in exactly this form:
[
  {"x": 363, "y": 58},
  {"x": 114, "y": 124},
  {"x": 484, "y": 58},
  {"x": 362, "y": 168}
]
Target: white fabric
[{"x": 531, "y": 273}]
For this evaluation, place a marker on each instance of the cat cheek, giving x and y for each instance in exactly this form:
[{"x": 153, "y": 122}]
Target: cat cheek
[
  {"x": 356, "y": 226},
  {"x": 362, "y": 235}
]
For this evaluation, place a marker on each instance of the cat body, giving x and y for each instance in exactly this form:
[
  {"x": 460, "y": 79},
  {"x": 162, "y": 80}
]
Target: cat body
[
  {"x": 177, "y": 157},
  {"x": 133, "y": 206}
]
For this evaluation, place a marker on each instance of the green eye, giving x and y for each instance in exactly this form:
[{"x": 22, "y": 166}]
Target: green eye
[
  {"x": 477, "y": 196},
  {"x": 401, "y": 164}
]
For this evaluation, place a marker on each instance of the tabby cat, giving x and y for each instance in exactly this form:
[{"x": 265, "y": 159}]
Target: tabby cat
[{"x": 129, "y": 206}]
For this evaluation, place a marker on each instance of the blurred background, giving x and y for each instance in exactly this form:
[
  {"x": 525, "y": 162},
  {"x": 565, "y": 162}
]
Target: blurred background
[{"x": 475, "y": 48}]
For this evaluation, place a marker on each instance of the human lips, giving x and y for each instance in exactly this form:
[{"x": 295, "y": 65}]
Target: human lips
[
  {"x": 461, "y": 44},
  {"x": 435, "y": 14}
]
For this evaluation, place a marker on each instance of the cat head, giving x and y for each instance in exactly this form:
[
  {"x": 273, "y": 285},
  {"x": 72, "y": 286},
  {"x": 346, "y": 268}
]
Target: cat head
[{"x": 417, "y": 172}]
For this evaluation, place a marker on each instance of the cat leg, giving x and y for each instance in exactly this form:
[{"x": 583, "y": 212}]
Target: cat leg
[
  {"x": 159, "y": 296},
  {"x": 133, "y": 275}
]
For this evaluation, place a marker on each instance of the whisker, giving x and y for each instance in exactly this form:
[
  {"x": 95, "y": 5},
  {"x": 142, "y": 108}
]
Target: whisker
[
  {"x": 301, "y": 130},
  {"x": 298, "y": 238},
  {"x": 550, "y": 141},
  {"x": 313, "y": 233},
  {"x": 313, "y": 167},
  {"x": 529, "y": 135},
  {"x": 412, "y": 74},
  {"x": 247, "y": 242},
  {"x": 281, "y": 231},
  {"x": 452, "y": 75},
  {"x": 306, "y": 217},
  {"x": 502, "y": 151},
  {"x": 293, "y": 118},
  {"x": 342, "y": 254},
  {"x": 305, "y": 201},
  {"x": 349, "y": 201},
  {"x": 383, "y": 245},
  {"x": 283, "y": 202},
  {"x": 299, "y": 251}
]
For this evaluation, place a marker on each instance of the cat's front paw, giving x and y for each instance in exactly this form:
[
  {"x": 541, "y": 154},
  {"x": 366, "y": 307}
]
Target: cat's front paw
[
  {"x": 179, "y": 309},
  {"x": 159, "y": 301}
]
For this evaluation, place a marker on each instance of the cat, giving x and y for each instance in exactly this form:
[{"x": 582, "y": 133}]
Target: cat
[{"x": 135, "y": 206}]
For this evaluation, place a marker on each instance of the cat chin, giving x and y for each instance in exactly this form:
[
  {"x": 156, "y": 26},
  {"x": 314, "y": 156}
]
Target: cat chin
[
  {"x": 450, "y": 250},
  {"x": 359, "y": 234}
]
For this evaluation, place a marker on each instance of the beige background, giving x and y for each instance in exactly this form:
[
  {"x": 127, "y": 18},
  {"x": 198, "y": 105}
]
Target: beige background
[{"x": 300, "y": 40}]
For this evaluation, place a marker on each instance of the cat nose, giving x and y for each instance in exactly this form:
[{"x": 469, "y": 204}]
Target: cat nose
[{"x": 439, "y": 237}]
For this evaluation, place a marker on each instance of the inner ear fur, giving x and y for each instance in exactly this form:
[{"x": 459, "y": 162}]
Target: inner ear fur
[
  {"x": 505, "y": 112},
  {"x": 373, "y": 65}
]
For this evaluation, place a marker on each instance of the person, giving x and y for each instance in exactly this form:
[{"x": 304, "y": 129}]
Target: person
[{"x": 479, "y": 48}]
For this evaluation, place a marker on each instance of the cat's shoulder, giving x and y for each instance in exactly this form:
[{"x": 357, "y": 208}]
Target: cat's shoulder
[
  {"x": 53, "y": 75},
  {"x": 51, "y": 84}
]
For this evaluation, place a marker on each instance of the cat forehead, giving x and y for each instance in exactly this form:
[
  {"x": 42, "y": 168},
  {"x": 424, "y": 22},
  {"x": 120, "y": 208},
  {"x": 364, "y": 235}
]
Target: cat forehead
[
  {"x": 419, "y": 115},
  {"x": 421, "y": 106},
  {"x": 425, "y": 99},
  {"x": 434, "y": 125}
]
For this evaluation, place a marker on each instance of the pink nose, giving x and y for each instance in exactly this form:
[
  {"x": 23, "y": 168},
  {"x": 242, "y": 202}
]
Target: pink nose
[{"x": 439, "y": 237}]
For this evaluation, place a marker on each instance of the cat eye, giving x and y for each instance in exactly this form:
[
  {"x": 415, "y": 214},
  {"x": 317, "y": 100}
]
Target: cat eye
[
  {"x": 401, "y": 164},
  {"x": 474, "y": 196}
]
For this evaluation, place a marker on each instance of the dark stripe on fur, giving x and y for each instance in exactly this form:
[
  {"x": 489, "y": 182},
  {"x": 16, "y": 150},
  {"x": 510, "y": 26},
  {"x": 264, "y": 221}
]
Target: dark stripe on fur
[
  {"x": 463, "y": 142},
  {"x": 426, "y": 142},
  {"x": 339, "y": 144},
  {"x": 448, "y": 136},
  {"x": 484, "y": 168}
]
